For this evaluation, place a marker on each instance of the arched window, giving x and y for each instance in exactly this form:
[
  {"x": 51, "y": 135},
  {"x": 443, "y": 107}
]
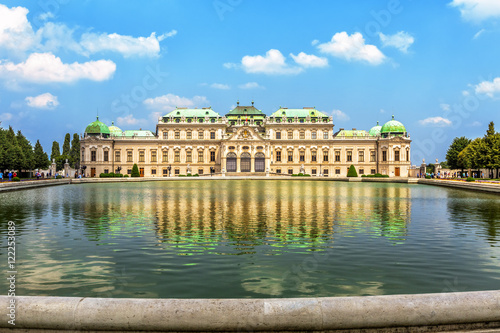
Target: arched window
[
  {"x": 260, "y": 162},
  {"x": 246, "y": 162},
  {"x": 231, "y": 162}
]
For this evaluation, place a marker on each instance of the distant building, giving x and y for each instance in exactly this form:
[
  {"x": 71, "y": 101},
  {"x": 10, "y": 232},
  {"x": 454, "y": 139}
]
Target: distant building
[{"x": 246, "y": 141}]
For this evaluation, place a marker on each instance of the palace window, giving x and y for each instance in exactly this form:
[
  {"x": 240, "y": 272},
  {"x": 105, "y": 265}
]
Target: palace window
[
  {"x": 361, "y": 171},
  {"x": 302, "y": 135},
  {"x": 153, "y": 171},
  {"x": 165, "y": 156},
  {"x": 93, "y": 155},
  {"x": 384, "y": 156},
  {"x": 106, "y": 156},
  {"x": 129, "y": 171},
  {"x": 177, "y": 171},
  {"x": 200, "y": 171},
  {"x": 313, "y": 156},
  {"x": 188, "y": 156},
  {"x": 290, "y": 135},
  {"x": 141, "y": 156},
  {"x": 325, "y": 135},
  {"x": 165, "y": 135},
  {"x": 278, "y": 135},
  {"x": 407, "y": 155},
  {"x": 313, "y": 172},
  {"x": 117, "y": 156},
  {"x": 177, "y": 135},
  {"x": 337, "y": 156},
  {"x": 337, "y": 171},
  {"x": 212, "y": 156},
  {"x": 302, "y": 156},
  {"x": 278, "y": 156},
  {"x": 200, "y": 156},
  {"x": 165, "y": 172},
  {"x": 177, "y": 156},
  {"x": 372, "y": 155},
  {"x": 153, "y": 155},
  {"x": 373, "y": 171},
  {"x": 325, "y": 172},
  {"x": 396, "y": 155},
  {"x": 212, "y": 135},
  {"x": 83, "y": 155},
  {"x": 278, "y": 170},
  {"x": 212, "y": 120},
  {"x": 325, "y": 156},
  {"x": 200, "y": 135},
  {"x": 349, "y": 156},
  {"x": 290, "y": 171},
  {"x": 106, "y": 170},
  {"x": 189, "y": 135},
  {"x": 361, "y": 156},
  {"x": 313, "y": 135},
  {"x": 129, "y": 155},
  {"x": 290, "y": 156},
  {"x": 189, "y": 120}
]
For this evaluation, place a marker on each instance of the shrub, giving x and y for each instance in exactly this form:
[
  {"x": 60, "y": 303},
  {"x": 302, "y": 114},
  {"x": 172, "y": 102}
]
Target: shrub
[
  {"x": 301, "y": 175},
  {"x": 352, "y": 171},
  {"x": 16, "y": 179},
  {"x": 135, "y": 171},
  {"x": 427, "y": 177},
  {"x": 126, "y": 176},
  {"x": 471, "y": 179},
  {"x": 59, "y": 177}
]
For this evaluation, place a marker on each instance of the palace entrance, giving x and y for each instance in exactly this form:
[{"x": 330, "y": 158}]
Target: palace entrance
[
  {"x": 231, "y": 162},
  {"x": 246, "y": 162},
  {"x": 260, "y": 162}
]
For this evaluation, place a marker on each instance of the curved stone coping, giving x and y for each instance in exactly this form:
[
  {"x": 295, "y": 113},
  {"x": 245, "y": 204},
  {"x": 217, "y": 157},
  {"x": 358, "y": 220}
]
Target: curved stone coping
[
  {"x": 27, "y": 184},
  {"x": 329, "y": 313},
  {"x": 474, "y": 186}
]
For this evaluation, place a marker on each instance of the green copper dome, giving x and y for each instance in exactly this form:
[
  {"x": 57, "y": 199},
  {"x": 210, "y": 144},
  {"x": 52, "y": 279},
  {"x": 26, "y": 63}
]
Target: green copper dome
[
  {"x": 375, "y": 130},
  {"x": 114, "y": 131},
  {"x": 97, "y": 127},
  {"x": 393, "y": 127}
]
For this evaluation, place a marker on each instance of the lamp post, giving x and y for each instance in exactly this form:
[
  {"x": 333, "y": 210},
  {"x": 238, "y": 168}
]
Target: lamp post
[{"x": 169, "y": 168}]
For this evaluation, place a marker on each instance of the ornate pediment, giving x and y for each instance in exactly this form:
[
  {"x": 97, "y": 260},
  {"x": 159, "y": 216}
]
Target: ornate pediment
[{"x": 245, "y": 133}]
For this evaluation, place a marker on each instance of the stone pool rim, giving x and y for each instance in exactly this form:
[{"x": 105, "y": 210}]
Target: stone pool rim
[{"x": 417, "y": 312}]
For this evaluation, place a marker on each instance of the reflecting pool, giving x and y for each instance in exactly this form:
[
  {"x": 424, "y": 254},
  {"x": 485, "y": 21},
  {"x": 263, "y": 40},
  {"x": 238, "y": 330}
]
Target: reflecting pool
[{"x": 251, "y": 238}]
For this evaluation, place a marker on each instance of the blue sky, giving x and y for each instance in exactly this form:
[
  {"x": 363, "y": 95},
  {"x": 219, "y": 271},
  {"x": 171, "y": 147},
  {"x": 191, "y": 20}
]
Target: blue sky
[{"x": 435, "y": 65}]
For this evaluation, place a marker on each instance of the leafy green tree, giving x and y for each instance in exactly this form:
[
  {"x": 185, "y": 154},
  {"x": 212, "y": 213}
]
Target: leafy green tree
[
  {"x": 27, "y": 149},
  {"x": 40, "y": 157},
  {"x": 430, "y": 168},
  {"x": 74, "y": 154},
  {"x": 352, "y": 171},
  {"x": 56, "y": 151},
  {"x": 60, "y": 160},
  {"x": 135, "y": 171},
  {"x": 454, "y": 150},
  {"x": 66, "y": 147},
  {"x": 14, "y": 156},
  {"x": 470, "y": 157}
]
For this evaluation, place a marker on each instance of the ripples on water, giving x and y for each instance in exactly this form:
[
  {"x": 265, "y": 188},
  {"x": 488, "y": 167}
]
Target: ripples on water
[{"x": 242, "y": 238}]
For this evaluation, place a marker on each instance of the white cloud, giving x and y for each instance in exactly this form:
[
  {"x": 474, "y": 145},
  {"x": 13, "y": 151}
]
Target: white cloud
[
  {"x": 339, "y": 115},
  {"x": 5, "y": 116},
  {"x": 475, "y": 124},
  {"x": 43, "y": 101},
  {"x": 309, "y": 60},
  {"x": 128, "y": 120},
  {"x": 435, "y": 121},
  {"x": 230, "y": 65},
  {"x": 169, "y": 102},
  {"x": 126, "y": 45},
  {"x": 45, "y": 16},
  {"x": 382, "y": 111},
  {"x": 250, "y": 85},
  {"x": 401, "y": 40},
  {"x": 16, "y": 32},
  {"x": 314, "y": 42},
  {"x": 477, "y": 10},
  {"x": 272, "y": 63},
  {"x": 444, "y": 106},
  {"x": 55, "y": 36},
  {"x": 489, "y": 88},
  {"x": 167, "y": 35},
  {"x": 479, "y": 33},
  {"x": 46, "y": 67},
  {"x": 465, "y": 93},
  {"x": 220, "y": 86},
  {"x": 352, "y": 48}
]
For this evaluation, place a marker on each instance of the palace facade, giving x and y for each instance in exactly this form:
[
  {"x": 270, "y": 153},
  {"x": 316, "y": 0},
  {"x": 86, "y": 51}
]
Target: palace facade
[{"x": 246, "y": 142}]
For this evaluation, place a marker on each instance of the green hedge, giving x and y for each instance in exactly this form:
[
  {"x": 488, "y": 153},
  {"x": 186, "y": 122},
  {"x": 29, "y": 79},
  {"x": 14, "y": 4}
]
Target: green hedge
[
  {"x": 471, "y": 179},
  {"x": 110, "y": 175},
  {"x": 126, "y": 176},
  {"x": 352, "y": 171},
  {"x": 377, "y": 175},
  {"x": 16, "y": 179},
  {"x": 301, "y": 175},
  {"x": 135, "y": 171},
  {"x": 189, "y": 175},
  {"x": 59, "y": 177}
]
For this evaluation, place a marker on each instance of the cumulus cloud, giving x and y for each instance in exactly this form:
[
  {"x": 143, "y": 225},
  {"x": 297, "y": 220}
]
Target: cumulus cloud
[
  {"x": 435, "y": 121},
  {"x": 477, "y": 10},
  {"x": 272, "y": 63},
  {"x": 16, "y": 32},
  {"x": 401, "y": 40},
  {"x": 169, "y": 102},
  {"x": 250, "y": 85},
  {"x": 127, "y": 120},
  {"x": 489, "y": 88},
  {"x": 309, "y": 60},
  {"x": 166, "y": 35},
  {"x": 43, "y": 101},
  {"x": 352, "y": 48},
  {"x": 126, "y": 45},
  {"x": 46, "y": 68},
  {"x": 220, "y": 86},
  {"x": 339, "y": 115}
]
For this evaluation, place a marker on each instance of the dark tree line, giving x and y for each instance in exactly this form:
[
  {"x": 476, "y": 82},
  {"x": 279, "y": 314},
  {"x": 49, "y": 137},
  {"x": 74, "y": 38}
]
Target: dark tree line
[
  {"x": 480, "y": 153},
  {"x": 17, "y": 153},
  {"x": 70, "y": 152}
]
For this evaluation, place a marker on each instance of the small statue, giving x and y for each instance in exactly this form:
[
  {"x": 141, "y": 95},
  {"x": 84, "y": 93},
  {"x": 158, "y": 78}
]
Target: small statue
[
  {"x": 188, "y": 168},
  {"x": 302, "y": 170}
]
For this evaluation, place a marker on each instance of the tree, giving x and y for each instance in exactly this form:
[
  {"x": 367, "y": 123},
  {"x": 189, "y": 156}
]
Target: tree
[
  {"x": 41, "y": 160},
  {"x": 430, "y": 168},
  {"x": 55, "y": 151},
  {"x": 66, "y": 147},
  {"x": 352, "y": 171},
  {"x": 454, "y": 150},
  {"x": 74, "y": 154},
  {"x": 135, "y": 171},
  {"x": 60, "y": 161},
  {"x": 27, "y": 149}
]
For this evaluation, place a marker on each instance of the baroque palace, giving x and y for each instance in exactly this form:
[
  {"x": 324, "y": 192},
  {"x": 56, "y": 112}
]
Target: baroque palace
[{"x": 246, "y": 142}]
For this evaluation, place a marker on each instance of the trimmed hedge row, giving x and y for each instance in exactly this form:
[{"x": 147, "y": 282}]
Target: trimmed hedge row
[
  {"x": 110, "y": 175},
  {"x": 301, "y": 175},
  {"x": 377, "y": 175}
]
